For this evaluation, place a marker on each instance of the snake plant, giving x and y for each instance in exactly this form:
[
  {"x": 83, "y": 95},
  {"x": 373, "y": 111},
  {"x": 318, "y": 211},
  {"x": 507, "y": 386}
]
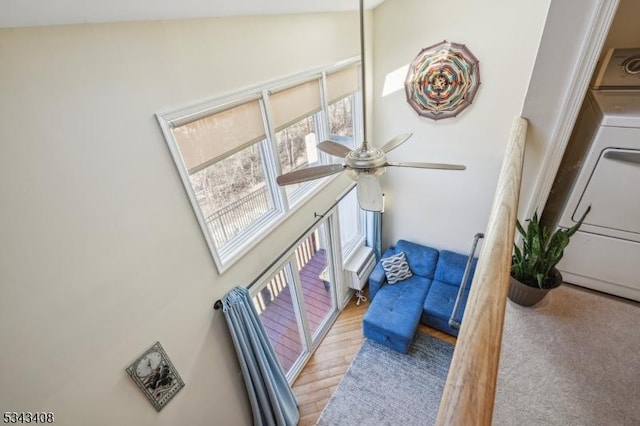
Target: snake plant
[{"x": 541, "y": 251}]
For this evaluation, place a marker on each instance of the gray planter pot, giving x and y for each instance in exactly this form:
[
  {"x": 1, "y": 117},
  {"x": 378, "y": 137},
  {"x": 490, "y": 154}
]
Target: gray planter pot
[{"x": 525, "y": 295}]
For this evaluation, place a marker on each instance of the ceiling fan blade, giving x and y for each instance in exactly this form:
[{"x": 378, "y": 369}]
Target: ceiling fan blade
[
  {"x": 369, "y": 192},
  {"x": 428, "y": 165},
  {"x": 309, "y": 173},
  {"x": 334, "y": 148},
  {"x": 395, "y": 142}
]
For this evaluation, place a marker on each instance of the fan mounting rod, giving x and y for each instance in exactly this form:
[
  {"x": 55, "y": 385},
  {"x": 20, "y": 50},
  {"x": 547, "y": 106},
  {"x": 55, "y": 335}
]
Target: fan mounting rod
[{"x": 365, "y": 144}]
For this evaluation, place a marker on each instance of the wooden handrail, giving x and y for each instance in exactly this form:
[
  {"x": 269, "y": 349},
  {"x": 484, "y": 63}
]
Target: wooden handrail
[{"x": 469, "y": 392}]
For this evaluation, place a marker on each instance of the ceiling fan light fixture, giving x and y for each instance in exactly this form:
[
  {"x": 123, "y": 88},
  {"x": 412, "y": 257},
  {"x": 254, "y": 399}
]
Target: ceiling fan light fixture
[
  {"x": 369, "y": 192},
  {"x": 379, "y": 171},
  {"x": 353, "y": 174},
  {"x": 356, "y": 173},
  {"x": 365, "y": 157}
]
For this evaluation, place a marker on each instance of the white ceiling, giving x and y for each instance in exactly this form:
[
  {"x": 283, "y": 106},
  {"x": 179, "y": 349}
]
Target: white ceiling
[{"x": 20, "y": 13}]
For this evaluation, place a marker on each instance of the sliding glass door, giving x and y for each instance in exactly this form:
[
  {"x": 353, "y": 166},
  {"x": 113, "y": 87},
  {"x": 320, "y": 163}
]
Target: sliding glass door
[
  {"x": 277, "y": 309},
  {"x": 296, "y": 300},
  {"x": 315, "y": 274}
]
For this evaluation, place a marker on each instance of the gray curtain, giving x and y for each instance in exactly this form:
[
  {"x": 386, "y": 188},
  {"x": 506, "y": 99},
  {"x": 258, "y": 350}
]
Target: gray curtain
[
  {"x": 271, "y": 397},
  {"x": 374, "y": 232}
]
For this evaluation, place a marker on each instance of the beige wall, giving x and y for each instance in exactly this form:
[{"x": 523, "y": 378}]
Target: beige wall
[
  {"x": 446, "y": 208},
  {"x": 101, "y": 254}
]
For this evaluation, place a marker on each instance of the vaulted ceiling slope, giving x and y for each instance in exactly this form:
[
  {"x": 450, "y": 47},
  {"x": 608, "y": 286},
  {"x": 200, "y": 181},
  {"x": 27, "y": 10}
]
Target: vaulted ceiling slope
[{"x": 21, "y": 13}]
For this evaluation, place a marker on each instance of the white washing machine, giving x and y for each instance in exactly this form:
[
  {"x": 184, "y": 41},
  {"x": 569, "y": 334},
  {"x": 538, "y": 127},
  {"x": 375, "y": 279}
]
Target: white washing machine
[{"x": 605, "y": 253}]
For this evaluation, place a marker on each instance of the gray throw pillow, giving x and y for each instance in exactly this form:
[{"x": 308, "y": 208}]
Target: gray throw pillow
[{"x": 396, "y": 268}]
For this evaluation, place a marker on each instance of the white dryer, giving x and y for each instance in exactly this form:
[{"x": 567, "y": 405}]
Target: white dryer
[{"x": 605, "y": 253}]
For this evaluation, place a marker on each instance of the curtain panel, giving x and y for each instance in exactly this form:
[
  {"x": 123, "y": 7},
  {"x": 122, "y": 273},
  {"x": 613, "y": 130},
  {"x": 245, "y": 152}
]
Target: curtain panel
[
  {"x": 272, "y": 400},
  {"x": 374, "y": 232}
]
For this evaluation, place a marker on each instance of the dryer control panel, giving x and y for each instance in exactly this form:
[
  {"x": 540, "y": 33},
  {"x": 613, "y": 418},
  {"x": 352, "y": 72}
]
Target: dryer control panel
[{"x": 620, "y": 69}]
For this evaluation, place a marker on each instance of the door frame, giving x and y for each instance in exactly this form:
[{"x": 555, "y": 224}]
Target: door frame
[{"x": 582, "y": 28}]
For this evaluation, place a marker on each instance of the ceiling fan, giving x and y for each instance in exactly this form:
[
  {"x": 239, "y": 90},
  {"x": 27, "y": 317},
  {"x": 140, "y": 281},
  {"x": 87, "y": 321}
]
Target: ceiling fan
[{"x": 364, "y": 164}]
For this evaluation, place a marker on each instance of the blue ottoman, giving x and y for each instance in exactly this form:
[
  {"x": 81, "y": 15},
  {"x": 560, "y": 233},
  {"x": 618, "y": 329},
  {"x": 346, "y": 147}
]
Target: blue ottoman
[{"x": 393, "y": 319}]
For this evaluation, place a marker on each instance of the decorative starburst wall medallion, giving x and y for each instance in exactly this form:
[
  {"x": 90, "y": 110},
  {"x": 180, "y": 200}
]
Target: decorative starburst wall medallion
[{"x": 442, "y": 80}]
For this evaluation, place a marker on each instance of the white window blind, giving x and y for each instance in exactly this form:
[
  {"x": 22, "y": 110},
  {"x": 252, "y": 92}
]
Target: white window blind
[
  {"x": 292, "y": 104},
  {"x": 342, "y": 83},
  {"x": 204, "y": 141}
]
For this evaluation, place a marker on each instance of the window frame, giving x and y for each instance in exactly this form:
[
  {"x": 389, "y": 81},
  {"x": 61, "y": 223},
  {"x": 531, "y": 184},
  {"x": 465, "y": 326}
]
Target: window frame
[
  {"x": 283, "y": 206},
  {"x": 351, "y": 247}
]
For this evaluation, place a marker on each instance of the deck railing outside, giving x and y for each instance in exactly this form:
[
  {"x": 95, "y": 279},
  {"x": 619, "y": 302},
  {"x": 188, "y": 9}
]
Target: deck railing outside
[
  {"x": 305, "y": 251},
  {"x": 469, "y": 392},
  {"x": 229, "y": 221},
  {"x": 232, "y": 219}
]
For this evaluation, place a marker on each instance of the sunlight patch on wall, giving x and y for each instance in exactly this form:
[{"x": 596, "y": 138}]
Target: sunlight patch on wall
[{"x": 394, "y": 81}]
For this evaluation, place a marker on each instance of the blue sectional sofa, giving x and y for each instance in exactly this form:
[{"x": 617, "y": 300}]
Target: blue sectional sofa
[{"x": 428, "y": 296}]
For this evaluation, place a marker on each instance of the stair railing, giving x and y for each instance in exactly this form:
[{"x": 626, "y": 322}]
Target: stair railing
[{"x": 469, "y": 392}]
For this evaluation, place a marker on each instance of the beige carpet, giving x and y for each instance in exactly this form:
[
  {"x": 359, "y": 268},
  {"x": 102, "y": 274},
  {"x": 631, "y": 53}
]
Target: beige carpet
[{"x": 572, "y": 360}]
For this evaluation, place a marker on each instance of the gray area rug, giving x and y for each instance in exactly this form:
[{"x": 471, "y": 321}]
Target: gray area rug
[
  {"x": 572, "y": 360},
  {"x": 385, "y": 387}
]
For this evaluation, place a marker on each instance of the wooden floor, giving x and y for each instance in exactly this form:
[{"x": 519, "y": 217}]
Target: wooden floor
[
  {"x": 278, "y": 315},
  {"x": 320, "y": 377}
]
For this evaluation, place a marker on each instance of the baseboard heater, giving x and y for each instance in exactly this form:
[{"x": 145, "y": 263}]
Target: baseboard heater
[{"x": 359, "y": 267}]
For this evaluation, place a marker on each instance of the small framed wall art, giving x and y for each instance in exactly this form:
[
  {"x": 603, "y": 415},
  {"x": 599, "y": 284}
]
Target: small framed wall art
[
  {"x": 442, "y": 80},
  {"x": 156, "y": 376}
]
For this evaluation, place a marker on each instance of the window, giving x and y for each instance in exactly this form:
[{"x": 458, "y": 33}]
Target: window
[
  {"x": 223, "y": 160},
  {"x": 295, "y": 117},
  {"x": 341, "y": 122},
  {"x": 342, "y": 95},
  {"x": 229, "y": 152},
  {"x": 351, "y": 217},
  {"x": 233, "y": 194},
  {"x": 297, "y": 150}
]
